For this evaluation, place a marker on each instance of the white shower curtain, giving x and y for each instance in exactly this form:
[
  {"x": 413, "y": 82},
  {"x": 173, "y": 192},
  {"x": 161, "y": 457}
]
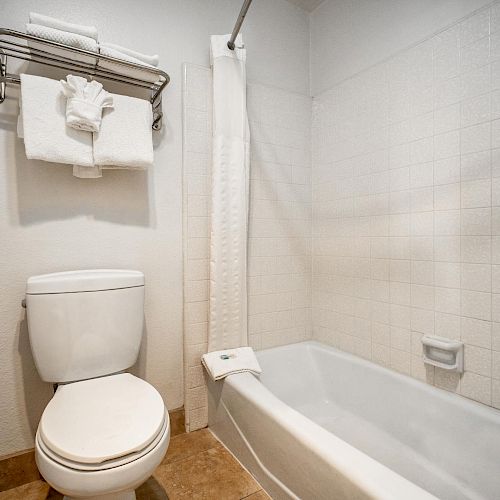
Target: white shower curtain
[{"x": 229, "y": 212}]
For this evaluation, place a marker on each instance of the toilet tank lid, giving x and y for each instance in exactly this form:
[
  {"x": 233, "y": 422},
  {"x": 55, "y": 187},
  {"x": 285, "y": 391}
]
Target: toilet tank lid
[{"x": 91, "y": 280}]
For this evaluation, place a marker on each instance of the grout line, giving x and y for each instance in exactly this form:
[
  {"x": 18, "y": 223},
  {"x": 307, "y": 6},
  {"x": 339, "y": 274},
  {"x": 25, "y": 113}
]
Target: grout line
[{"x": 409, "y": 47}]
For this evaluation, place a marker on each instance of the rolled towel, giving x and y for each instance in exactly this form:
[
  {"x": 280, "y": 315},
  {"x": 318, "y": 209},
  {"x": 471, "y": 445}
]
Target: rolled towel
[
  {"x": 220, "y": 364},
  {"x": 152, "y": 60},
  {"x": 58, "y": 24},
  {"x": 63, "y": 37},
  {"x": 46, "y": 136},
  {"x": 125, "y": 139},
  {"x": 85, "y": 102}
]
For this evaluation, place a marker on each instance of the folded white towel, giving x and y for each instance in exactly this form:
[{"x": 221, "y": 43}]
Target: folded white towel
[
  {"x": 20, "y": 128},
  {"x": 152, "y": 60},
  {"x": 85, "y": 102},
  {"x": 82, "y": 172},
  {"x": 220, "y": 364},
  {"x": 46, "y": 136},
  {"x": 58, "y": 24},
  {"x": 131, "y": 72},
  {"x": 64, "y": 37},
  {"x": 125, "y": 139}
]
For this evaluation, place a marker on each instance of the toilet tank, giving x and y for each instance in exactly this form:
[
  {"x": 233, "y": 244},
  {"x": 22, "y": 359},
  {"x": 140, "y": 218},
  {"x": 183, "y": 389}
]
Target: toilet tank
[{"x": 85, "y": 324}]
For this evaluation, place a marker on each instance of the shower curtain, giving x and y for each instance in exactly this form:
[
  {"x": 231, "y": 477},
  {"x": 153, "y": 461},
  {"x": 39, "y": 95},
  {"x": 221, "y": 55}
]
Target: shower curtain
[{"x": 229, "y": 210}]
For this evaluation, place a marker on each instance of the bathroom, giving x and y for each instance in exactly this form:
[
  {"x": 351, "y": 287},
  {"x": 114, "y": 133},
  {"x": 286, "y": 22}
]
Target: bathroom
[{"x": 368, "y": 286}]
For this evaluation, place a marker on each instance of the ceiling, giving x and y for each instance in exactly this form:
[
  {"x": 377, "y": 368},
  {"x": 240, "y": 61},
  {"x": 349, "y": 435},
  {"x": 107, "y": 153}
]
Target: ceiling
[{"x": 308, "y": 5}]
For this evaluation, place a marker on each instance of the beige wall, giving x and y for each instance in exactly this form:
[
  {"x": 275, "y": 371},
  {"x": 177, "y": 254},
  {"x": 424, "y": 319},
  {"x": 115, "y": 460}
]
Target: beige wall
[
  {"x": 348, "y": 36},
  {"x": 406, "y": 204},
  {"x": 51, "y": 221}
]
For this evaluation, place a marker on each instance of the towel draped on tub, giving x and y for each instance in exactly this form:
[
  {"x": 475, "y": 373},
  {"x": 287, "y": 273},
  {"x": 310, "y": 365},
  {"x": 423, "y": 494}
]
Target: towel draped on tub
[{"x": 220, "y": 364}]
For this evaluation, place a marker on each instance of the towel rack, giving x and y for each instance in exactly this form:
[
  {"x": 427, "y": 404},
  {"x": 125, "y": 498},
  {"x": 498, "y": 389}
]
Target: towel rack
[{"x": 61, "y": 56}]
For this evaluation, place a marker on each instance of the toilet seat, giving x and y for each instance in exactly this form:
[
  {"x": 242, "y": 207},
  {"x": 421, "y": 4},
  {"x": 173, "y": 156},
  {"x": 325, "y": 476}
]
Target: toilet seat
[
  {"x": 102, "y": 423},
  {"x": 108, "y": 464}
]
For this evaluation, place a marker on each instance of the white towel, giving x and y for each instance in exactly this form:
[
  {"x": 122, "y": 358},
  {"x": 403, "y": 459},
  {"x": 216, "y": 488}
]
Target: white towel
[
  {"x": 125, "y": 139},
  {"x": 46, "y": 136},
  {"x": 81, "y": 172},
  {"x": 85, "y": 102},
  {"x": 20, "y": 128},
  {"x": 124, "y": 70},
  {"x": 152, "y": 60},
  {"x": 220, "y": 364},
  {"x": 58, "y": 24},
  {"x": 64, "y": 37}
]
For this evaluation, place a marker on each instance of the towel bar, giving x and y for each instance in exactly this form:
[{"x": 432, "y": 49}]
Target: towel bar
[{"x": 57, "y": 55}]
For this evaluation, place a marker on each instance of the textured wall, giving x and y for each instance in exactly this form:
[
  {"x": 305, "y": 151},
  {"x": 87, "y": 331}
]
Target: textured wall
[
  {"x": 279, "y": 229},
  {"x": 406, "y": 205},
  {"x": 51, "y": 221},
  {"x": 348, "y": 36}
]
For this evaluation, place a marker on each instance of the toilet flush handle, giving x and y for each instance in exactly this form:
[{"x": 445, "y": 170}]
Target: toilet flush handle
[{"x": 23, "y": 303}]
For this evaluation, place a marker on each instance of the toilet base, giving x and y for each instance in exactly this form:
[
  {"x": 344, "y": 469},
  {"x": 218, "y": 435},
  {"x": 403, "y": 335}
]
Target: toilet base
[{"x": 122, "y": 495}]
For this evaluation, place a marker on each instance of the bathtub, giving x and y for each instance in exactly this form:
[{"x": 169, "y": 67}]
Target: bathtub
[{"x": 322, "y": 424}]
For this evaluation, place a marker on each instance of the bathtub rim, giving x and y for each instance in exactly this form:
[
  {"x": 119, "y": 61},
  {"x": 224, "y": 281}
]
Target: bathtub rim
[
  {"x": 370, "y": 476},
  {"x": 486, "y": 411}
]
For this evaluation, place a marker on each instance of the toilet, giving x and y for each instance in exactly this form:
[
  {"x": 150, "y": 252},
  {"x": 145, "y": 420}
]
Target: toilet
[{"x": 104, "y": 431}]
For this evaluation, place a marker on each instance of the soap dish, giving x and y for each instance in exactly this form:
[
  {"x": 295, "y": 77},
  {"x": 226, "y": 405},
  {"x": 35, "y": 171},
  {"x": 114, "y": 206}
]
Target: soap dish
[{"x": 444, "y": 353}]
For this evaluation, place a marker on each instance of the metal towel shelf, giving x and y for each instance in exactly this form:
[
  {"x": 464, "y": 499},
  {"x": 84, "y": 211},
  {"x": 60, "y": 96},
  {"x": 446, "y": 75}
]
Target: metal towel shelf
[{"x": 62, "y": 57}]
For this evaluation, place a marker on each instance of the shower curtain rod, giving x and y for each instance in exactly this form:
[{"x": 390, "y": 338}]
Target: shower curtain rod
[{"x": 239, "y": 22}]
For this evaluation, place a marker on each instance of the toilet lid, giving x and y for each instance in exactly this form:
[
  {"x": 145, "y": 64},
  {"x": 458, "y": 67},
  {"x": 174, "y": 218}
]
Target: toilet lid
[{"x": 102, "y": 419}]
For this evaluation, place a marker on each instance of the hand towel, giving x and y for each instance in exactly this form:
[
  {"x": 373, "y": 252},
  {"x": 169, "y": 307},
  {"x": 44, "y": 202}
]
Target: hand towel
[
  {"x": 46, "y": 136},
  {"x": 152, "y": 60},
  {"x": 125, "y": 139},
  {"x": 63, "y": 37},
  {"x": 124, "y": 70},
  {"x": 58, "y": 24},
  {"x": 85, "y": 102},
  {"x": 220, "y": 364}
]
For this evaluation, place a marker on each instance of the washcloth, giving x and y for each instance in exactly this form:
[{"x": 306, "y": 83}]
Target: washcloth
[
  {"x": 58, "y": 24},
  {"x": 63, "y": 37},
  {"x": 124, "y": 70},
  {"x": 220, "y": 364},
  {"x": 85, "y": 102},
  {"x": 125, "y": 139},
  {"x": 152, "y": 60},
  {"x": 46, "y": 136}
]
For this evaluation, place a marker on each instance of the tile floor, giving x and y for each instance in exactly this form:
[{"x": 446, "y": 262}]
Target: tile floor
[{"x": 197, "y": 466}]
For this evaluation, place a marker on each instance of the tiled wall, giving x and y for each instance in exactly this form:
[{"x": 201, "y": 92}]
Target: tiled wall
[
  {"x": 279, "y": 271},
  {"x": 280, "y": 217},
  {"x": 406, "y": 207},
  {"x": 197, "y": 124}
]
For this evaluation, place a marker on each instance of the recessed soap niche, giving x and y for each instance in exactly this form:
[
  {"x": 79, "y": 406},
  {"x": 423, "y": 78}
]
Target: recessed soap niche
[{"x": 444, "y": 353}]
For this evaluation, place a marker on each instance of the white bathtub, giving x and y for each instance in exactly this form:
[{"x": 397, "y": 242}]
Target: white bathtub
[{"x": 322, "y": 424}]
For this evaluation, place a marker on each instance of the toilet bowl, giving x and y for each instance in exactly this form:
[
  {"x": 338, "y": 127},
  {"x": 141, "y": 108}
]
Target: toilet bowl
[
  {"x": 105, "y": 431},
  {"x": 102, "y": 438}
]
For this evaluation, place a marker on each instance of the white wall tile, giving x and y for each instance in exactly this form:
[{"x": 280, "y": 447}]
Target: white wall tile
[
  {"x": 474, "y": 28},
  {"x": 476, "y": 166},
  {"x": 279, "y": 229},
  {"x": 477, "y": 387},
  {"x": 429, "y": 246}
]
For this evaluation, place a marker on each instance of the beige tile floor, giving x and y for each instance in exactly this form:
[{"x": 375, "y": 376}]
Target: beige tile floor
[{"x": 196, "y": 466}]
